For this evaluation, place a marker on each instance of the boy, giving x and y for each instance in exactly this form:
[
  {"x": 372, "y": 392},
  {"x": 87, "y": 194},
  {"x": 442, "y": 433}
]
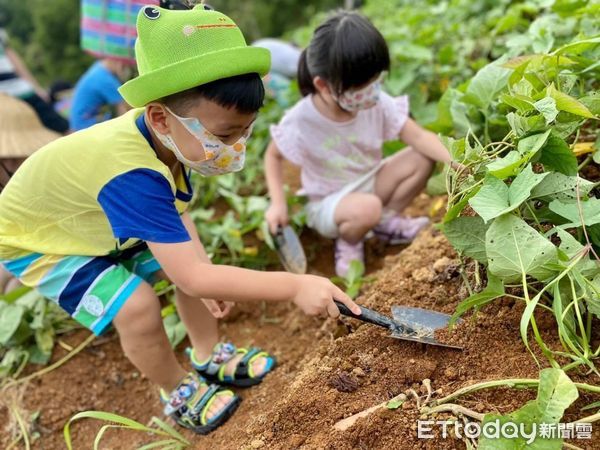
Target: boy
[
  {"x": 96, "y": 97},
  {"x": 90, "y": 217}
]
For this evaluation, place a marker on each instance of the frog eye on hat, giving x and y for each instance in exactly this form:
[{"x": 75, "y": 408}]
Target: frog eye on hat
[{"x": 151, "y": 12}]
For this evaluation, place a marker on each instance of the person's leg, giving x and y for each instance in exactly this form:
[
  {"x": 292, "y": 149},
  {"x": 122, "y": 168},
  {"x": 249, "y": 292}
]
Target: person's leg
[
  {"x": 47, "y": 115},
  {"x": 203, "y": 331},
  {"x": 402, "y": 178},
  {"x": 146, "y": 345},
  {"x": 356, "y": 214}
]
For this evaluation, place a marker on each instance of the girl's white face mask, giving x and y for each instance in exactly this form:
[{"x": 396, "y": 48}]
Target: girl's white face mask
[
  {"x": 365, "y": 98},
  {"x": 220, "y": 157}
]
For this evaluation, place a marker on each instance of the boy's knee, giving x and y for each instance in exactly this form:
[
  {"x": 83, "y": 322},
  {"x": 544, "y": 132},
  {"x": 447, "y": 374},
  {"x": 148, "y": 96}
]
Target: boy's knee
[{"x": 140, "y": 314}]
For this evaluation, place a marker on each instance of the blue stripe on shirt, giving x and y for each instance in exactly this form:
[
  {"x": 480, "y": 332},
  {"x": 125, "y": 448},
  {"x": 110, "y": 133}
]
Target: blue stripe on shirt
[{"x": 140, "y": 204}]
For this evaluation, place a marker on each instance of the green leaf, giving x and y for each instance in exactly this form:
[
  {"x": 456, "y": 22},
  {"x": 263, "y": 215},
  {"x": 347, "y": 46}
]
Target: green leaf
[
  {"x": 394, "y": 404},
  {"x": 496, "y": 198},
  {"x": 467, "y": 236},
  {"x": 561, "y": 187},
  {"x": 593, "y": 301},
  {"x": 507, "y": 166},
  {"x": 15, "y": 294},
  {"x": 572, "y": 247},
  {"x": 487, "y": 84},
  {"x": 514, "y": 249},
  {"x": 578, "y": 47},
  {"x": 436, "y": 185},
  {"x": 531, "y": 144},
  {"x": 355, "y": 271},
  {"x": 457, "y": 208},
  {"x": 492, "y": 291},
  {"x": 521, "y": 125},
  {"x": 556, "y": 392},
  {"x": 44, "y": 339},
  {"x": 36, "y": 356},
  {"x": 590, "y": 211},
  {"x": 521, "y": 103},
  {"x": 175, "y": 329},
  {"x": 10, "y": 319},
  {"x": 547, "y": 106},
  {"x": 557, "y": 155},
  {"x": 592, "y": 102},
  {"x": 565, "y": 102}
]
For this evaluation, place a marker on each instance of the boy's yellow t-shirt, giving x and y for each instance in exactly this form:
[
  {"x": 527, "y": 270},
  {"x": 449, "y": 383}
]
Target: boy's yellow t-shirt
[{"x": 94, "y": 192}]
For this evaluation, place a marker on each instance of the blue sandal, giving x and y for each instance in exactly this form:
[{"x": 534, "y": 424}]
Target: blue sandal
[
  {"x": 213, "y": 369},
  {"x": 189, "y": 409}
]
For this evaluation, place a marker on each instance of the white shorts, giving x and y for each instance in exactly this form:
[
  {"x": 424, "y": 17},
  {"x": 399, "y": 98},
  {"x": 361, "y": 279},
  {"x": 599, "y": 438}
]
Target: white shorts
[{"x": 320, "y": 215}]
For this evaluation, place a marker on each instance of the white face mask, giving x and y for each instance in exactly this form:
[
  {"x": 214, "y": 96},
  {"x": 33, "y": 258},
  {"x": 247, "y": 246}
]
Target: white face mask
[
  {"x": 360, "y": 99},
  {"x": 220, "y": 157}
]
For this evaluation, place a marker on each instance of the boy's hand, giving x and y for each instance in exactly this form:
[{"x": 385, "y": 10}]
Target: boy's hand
[
  {"x": 276, "y": 215},
  {"x": 314, "y": 295},
  {"x": 218, "y": 308}
]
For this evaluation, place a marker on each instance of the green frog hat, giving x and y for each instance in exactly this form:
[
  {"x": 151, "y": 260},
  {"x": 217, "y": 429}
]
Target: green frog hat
[{"x": 178, "y": 50}]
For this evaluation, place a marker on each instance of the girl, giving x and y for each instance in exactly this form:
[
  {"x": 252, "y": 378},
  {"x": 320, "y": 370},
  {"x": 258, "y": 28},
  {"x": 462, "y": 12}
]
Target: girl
[{"x": 335, "y": 134}]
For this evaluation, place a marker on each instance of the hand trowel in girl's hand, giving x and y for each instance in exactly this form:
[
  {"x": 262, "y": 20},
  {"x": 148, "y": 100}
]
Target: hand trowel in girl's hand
[{"x": 290, "y": 251}]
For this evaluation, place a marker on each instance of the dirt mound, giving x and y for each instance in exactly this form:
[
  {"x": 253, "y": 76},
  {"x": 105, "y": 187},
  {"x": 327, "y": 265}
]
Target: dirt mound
[{"x": 328, "y": 370}]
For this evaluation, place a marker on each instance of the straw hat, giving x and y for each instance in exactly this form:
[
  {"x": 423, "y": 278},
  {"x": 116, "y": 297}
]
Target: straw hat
[{"x": 21, "y": 132}]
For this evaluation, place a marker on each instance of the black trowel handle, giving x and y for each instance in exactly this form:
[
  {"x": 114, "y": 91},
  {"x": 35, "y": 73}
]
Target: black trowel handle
[{"x": 368, "y": 315}]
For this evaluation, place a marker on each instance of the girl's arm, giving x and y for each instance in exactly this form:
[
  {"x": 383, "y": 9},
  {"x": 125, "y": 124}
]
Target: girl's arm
[
  {"x": 277, "y": 212},
  {"x": 425, "y": 142}
]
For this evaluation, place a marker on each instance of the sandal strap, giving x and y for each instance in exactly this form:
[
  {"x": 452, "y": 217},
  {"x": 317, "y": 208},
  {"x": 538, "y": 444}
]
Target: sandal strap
[
  {"x": 184, "y": 391},
  {"x": 222, "y": 354},
  {"x": 244, "y": 368},
  {"x": 201, "y": 407}
]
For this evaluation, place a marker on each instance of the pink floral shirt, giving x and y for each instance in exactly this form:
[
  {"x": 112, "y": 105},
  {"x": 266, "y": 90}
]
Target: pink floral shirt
[{"x": 332, "y": 154}]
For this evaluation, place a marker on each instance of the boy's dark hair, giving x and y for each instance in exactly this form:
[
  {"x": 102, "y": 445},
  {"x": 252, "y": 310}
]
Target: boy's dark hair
[
  {"x": 245, "y": 93},
  {"x": 346, "y": 50}
]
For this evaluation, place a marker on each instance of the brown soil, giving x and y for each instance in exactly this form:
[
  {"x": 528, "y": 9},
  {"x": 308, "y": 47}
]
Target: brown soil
[{"x": 328, "y": 370}]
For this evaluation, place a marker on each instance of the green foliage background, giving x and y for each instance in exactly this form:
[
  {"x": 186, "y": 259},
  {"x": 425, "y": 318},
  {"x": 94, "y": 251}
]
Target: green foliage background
[{"x": 46, "y": 33}]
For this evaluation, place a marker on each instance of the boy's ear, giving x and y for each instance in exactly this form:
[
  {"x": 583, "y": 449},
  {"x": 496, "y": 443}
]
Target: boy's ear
[
  {"x": 156, "y": 114},
  {"x": 321, "y": 85}
]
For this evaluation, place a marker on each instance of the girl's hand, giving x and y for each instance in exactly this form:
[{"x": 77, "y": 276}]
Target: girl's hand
[
  {"x": 276, "y": 216},
  {"x": 458, "y": 166},
  {"x": 314, "y": 295}
]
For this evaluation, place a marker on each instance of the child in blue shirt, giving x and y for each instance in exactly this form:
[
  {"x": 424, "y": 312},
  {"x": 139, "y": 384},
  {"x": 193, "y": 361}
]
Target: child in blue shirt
[{"x": 96, "y": 97}]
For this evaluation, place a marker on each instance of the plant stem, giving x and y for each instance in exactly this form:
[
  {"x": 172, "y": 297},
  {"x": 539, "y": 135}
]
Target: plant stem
[
  {"x": 573, "y": 447},
  {"x": 518, "y": 383},
  {"x": 50, "y": 368},
  {"x": 589, "y": 419},
  {"x": 454, "y": 409}
]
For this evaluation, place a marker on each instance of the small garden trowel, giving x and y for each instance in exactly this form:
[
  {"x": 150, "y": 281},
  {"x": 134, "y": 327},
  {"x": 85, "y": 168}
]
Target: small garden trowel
[
  {"x": 290, "y": 251},
  {"x": 410, "y": 324}
]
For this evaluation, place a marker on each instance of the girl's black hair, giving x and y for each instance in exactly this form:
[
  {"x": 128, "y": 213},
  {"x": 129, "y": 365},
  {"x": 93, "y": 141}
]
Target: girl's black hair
[
  {"x": 346, "y": 50},
  {"x": 245, "y": 93}
]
